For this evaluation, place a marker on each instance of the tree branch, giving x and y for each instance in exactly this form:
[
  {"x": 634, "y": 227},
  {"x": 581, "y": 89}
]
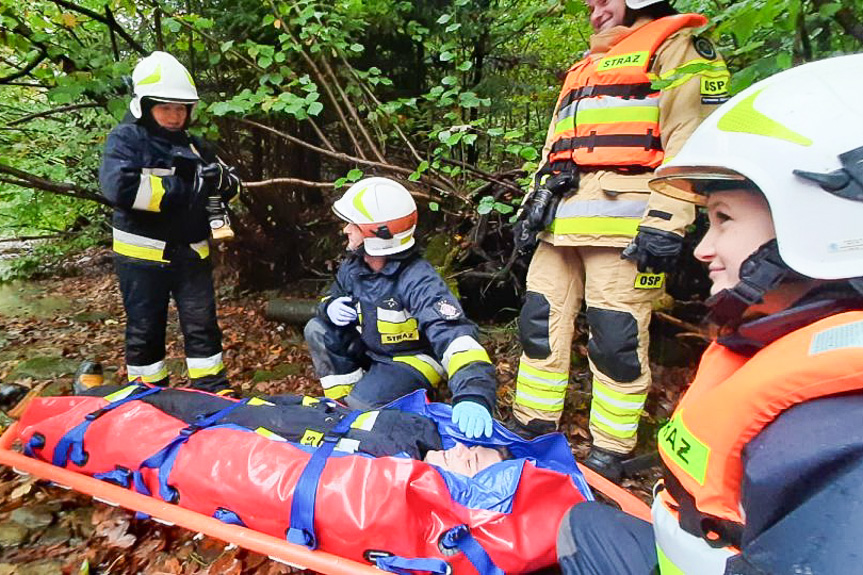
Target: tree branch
[
  {"x": 28, "y": 180},
  {"x": 293, "y": 181},
  {"x": 59, "y": 110},
  {"x": 106, "y": 20},
  {"x": 25, "y": 70}
]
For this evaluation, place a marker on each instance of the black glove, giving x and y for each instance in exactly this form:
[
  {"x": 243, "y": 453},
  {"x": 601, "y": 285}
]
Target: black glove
[
  {"x": 222, "y": 178},
  {"x": 538, "y": 210},
  {"x": 654, "y": 250}
]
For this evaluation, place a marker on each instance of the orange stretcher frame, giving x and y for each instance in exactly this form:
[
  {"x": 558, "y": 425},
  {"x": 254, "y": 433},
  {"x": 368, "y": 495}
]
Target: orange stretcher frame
[{"x": 273, "y": 547}]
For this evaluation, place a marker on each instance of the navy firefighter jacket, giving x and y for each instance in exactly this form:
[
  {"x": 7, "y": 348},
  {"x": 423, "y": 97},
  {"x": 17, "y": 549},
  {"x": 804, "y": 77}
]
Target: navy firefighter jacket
[
  {"x": 407, "y": 310},
  {"x": 149, "y": 178}
]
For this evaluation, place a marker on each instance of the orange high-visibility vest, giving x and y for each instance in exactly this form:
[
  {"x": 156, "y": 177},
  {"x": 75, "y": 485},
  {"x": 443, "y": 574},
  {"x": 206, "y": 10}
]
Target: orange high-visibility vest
[
  {"x": 732, "y": 399},
  {"x": 608, "y": 112}
]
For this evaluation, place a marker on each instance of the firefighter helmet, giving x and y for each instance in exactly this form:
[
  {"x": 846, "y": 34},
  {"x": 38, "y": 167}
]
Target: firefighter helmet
[
  {"x": 162, "y": 78},
  {"x": 384, "y": 211}
]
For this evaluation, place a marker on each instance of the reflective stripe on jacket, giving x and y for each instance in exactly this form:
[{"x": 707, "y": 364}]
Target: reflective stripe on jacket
[
  {"x": 409, "y": 315},
  {"x": 732, "y": 399},
  {"x": 608, "y": 111},
  {"x": 149, "y": 181}
]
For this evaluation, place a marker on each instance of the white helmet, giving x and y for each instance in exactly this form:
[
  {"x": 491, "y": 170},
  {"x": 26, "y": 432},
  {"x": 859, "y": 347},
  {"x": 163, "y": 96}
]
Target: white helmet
[
  {"x": 638, "y": 4},
  {"x": 161, "y": 77},
  {"x": 798, "y": 136},
  {"x": 384, "y": 211}
]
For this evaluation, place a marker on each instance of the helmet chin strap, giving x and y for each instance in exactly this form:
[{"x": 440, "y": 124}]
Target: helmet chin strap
[{"x": 759, "y": 273}]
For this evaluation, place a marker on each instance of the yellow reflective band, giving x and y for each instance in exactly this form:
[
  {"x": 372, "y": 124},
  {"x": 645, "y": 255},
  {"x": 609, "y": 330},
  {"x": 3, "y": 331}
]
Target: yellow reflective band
[
  {"x": 625, "y": 398},
  {"x": 365, "y": 420},
  {"x": 199, "y": 372},
  {"x": 598, "y": 225},
  {"x": 201, "y": 248},
  {"x": 429, "y": 372},
  {"x": 189, "y": 78},
  {"x": 616, "y": 414},
  {"x": 307, "y": 401},
  {"x": 268, "y": 434},
  {"x": 612, "y": 429},
  {"x": 666, "y": 567},
  {"x": 259, "y": 401},
  {"x": 684, "y": 449},
  {"x": 745, "y": 119},
  {"x": 631, "y": 59},
  {"x": 358, "y": 204},
  {"x": 401, "y": 327},
  {"x": 153, "y": 78},
  {"x": 139, "y": 252},
  {"x": 338, "y": 391},
  {"x": 545, "y": 388},
  {"x": 311, "y": 437},
  {"x": 609, "y": 115},
  {"x": 553, "y": 376},
  {"x": 697, "y": 67},
  {"x": 157, "y": 192},
  {"x": 151, "y": 378},
  {"x": 122, "y": 394},
  {"x": 462, "y": 358},
  {"x": 551, "y": 407},
  {"x": 644, "y": 280}
]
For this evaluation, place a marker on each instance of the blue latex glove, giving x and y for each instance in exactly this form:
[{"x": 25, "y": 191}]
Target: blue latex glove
[
  {"x": 472, "y": 419},
  {"x": 341, "y": 312}
]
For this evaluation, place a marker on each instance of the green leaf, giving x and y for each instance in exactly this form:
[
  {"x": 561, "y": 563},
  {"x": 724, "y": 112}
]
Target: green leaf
[
  {"x": 340, "y": 182},
  {"x": 452, "y": 27},
  {"x": 486, "y": 205},
  {"x": 449, "y": 80},
  {"x": 446, "y": 56},
  {"x": 225, "y": 46},
  {"x": 315, "y": 108},
  {"x": 454, "y": 139},
  {"x": 444, "y": 18},
  {"x": 434, "y": 206},
  {"x": 468, "y": 100},
  {"x": 528, "y": 153},
  {"x": 357, "y": 48},
  {"x": 464, "y": 66},
  {"x": 503, "y": 208},
  {"x": 494, "y": 132},
  {"x": 354, "y": 175},
  {"x": 172, "y": 25}
]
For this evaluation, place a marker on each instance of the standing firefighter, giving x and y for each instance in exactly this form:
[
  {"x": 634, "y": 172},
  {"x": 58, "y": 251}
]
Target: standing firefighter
[
  {"x": 390, "y": 325},
  {"x": 161, "y": 180},
  {"x": 629, "y": 105},
  {"x": 764, "y": 454}
]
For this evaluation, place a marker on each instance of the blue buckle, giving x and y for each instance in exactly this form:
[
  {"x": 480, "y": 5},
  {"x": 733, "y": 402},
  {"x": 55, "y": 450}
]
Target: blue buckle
[{"x": 301, "y": 537}]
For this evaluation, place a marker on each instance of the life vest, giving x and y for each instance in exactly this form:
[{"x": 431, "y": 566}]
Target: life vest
[
  {"x": 697, "y": 517},
  {"x": 608, "y": 112},
  {"x": 361, "y": 507}
]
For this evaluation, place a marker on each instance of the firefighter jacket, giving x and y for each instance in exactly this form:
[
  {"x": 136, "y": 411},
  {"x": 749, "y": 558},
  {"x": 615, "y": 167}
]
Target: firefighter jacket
[
  {"x": 628, "y": 106},
  {"x": 149, "y": 178},
  {"x": 701, "y": 514},
  {"x": 407, "y": 313},
  {"x": 302, "y": 419}
]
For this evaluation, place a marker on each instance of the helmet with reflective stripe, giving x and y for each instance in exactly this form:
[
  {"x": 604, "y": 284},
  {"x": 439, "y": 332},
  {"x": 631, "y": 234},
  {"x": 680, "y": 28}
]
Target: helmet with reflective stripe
[
  {"x": 798, "y": 137},
  {"x": 162, "y": 78},
  {"x": 384, "y": 211}
]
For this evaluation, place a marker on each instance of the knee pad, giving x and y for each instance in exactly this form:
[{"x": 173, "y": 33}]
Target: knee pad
[
  {"x": 613, "y": 343},
  {"x": 533, "y": 326}
]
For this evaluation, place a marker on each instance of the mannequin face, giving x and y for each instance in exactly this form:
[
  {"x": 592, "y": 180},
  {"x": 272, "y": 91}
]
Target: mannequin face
[
  {"x": 463, "y": 459},
  {"x": 605, "y": 14},
  {"x": 354, "y": 236},
  {"x": 740, "y": 223},
  {"x": 170, "y": 116}
]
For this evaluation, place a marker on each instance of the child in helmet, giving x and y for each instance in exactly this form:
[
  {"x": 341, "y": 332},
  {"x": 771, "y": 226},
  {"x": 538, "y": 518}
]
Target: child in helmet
[
  {"x": 158, "y": 178},
  {"x": 389, "y": 324},
  {"x": 764, "y": 454}
]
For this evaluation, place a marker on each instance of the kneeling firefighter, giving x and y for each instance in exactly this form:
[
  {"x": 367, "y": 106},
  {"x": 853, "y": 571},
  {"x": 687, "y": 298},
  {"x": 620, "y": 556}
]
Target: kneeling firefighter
[
  {"x": 167, "y": 189},
  {"x": 627, "y": 107}
]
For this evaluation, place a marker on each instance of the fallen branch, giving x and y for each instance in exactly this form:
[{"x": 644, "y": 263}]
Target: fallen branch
[{"x": 46, "y": 113}]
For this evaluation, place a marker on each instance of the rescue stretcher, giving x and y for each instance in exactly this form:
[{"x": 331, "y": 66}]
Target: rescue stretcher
[{"x": 278, "y": 549}]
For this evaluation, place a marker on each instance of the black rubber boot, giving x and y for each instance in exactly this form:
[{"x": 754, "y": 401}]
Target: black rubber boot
[
  {"x": 606, "y": 463},
  {"x": 88, "y": 376},
  {"x": 532, "y": 429},
  {"x": 11, "y": 394}
]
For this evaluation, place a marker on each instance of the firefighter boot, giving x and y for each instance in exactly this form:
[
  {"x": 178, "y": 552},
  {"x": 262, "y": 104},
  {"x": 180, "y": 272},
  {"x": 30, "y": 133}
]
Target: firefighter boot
[
  {"x": 606, "y": 463},
  {"x": 88, "y": 376},
  {"x": 530, "y": 430}
]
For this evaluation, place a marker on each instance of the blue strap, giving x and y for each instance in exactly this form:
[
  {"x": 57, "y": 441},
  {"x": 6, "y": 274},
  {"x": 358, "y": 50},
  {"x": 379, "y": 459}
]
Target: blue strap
[
  {"x": 460, "y": 538},
  {"x": 118, "y": 476},
  {"x": 404, "y": 566},
  {"x": 71, "y": 445},
  {"x": 36, "y": 442},
  {"x": 228, "y": 516},
  {"x": 302, "y": 527},
  {"x": 163, "y": 460}
]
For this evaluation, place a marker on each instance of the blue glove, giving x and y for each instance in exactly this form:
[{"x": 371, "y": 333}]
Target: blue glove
[
  {"x": 472, "y": 419},
  {"x": 341, "y": 312}
]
